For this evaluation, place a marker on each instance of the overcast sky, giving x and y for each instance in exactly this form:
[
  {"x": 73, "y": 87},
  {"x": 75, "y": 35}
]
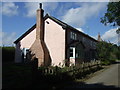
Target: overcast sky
[{"x": 18, "y": 17}]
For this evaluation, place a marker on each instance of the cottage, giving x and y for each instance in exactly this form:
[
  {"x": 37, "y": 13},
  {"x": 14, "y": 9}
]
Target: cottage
[{"x": 54, "y": 42}]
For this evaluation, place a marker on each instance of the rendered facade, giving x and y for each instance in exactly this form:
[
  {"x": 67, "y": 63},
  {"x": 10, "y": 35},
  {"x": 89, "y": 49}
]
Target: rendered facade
[{"x": 54, "y": 42}]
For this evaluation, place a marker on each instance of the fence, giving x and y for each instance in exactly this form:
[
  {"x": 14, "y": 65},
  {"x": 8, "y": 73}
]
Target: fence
[
  {"x": 58, "y": 75},
  {"x": 85, "y": 66}
]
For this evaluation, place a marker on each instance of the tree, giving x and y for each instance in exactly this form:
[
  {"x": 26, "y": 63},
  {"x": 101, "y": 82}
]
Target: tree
[
  {"x": 112, "y": 16},
  {"x": 107, "y": 52}
]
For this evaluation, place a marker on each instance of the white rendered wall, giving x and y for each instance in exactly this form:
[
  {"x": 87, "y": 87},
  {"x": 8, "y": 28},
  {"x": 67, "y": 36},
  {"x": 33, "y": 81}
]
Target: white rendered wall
[
  {"x": 26, "y": 42},
  {"x": 55, "y": 41}
]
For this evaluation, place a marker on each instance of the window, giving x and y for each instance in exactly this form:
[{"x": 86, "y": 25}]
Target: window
[
  {"x": 94, "y": 44},
  {"x": 83, "y": 39},
  {"x": 73, "y": 35},
  {"x": 91, "y": 43},
  {"x": 25, "y": 51},
  {"x": 72, "y": 52}
]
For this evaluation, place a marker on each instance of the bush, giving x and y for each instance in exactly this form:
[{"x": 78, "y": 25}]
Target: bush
[
  {"x": 107, "y": 52},
  {"x": 106, "y": 62},
  {"x": 60, "y": 75},
  {"x": 8, "y": 54}
]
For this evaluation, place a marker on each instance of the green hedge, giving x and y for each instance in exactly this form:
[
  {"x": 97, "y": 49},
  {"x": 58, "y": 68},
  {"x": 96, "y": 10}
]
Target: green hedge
[{"x": 8, "y": 54}]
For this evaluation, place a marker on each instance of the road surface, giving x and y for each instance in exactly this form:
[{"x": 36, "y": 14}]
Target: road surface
[{"x": 108, "y": 78}]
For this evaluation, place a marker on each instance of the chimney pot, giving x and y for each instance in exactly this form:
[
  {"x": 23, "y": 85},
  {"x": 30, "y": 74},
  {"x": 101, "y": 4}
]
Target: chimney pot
[{"x": 40, "y": 5}]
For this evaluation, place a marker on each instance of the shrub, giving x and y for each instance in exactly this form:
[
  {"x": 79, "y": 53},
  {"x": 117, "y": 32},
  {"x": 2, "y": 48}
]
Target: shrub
[
  {"x": 8, "y": 54},
  {"x": 106, "y": 62},
  {"x": 107, "y": 52}
]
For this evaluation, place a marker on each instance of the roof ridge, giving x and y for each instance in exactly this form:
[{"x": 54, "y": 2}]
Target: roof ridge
[
  {"x": 63, "y": 24},
  {"x": 66, "y": 25}
]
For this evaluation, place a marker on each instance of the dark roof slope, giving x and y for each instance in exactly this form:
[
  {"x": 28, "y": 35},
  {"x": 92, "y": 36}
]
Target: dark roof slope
[{"x": 64, "y": 25}]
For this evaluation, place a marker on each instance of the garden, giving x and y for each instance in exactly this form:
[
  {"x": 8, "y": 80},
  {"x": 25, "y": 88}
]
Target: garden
[{"x": 21, "y": 75}]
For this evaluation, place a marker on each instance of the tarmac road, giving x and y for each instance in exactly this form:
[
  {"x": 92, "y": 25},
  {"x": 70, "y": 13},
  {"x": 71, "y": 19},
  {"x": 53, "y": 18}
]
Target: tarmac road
[{"x": 109, "y": 77}]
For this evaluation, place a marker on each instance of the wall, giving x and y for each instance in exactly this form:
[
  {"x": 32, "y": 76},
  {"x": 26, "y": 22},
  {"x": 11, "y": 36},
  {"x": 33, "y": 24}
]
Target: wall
[
  {"x": 87, "y": 42},
  {"x": 55, "y": 41},
  {"x": 26, "y": 42}
]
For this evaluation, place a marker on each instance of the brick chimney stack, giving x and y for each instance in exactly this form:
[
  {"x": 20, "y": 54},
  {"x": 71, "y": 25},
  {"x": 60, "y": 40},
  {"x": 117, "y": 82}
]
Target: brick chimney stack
[
  {"x": 39, "y": 23},
  {"x": 39, "y": 49}
]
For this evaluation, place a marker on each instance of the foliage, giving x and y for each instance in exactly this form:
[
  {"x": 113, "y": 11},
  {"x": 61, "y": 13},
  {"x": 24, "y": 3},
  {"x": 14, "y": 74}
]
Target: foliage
[
  {"x": 112, "y": 16},
  {"x": 108, "y": 52},
  {"x": 16, "y": 75},
  {"x": 8, "y": 54},
  {"x": 23, "y": 76},
  {"x": 68, "y": 73}
]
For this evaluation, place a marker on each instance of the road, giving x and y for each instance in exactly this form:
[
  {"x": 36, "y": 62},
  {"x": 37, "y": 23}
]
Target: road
[{"x": 108, "y": 78}]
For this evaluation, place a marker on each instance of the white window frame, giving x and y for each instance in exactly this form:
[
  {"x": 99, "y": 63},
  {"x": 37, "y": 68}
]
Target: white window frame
[
  {"x": 73, "y": 48},
  {"x": 25, "y": 51}
]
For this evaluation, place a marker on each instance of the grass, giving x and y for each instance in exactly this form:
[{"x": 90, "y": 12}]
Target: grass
[
  {"x": 20, "y": 76},
  {"x": 15, "y": 75}
]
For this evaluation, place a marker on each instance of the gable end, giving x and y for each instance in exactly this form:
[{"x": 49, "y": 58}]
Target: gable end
[{"x": 26, "y": 33}]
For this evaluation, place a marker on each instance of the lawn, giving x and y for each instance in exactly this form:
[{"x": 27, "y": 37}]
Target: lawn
[
  {"x": 15, "y": 75},
  {"x": 21, "y": 76}
]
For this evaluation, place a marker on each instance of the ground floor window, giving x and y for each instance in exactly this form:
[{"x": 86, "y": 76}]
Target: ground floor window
[
  {"x": 72, "y": 52},
  {"x": 25, "y": 51}
]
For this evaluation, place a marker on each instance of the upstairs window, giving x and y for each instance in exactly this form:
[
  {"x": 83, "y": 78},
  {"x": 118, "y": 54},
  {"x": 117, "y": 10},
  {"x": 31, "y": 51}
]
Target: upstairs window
[
  {"x": 73, "y": 35},
  {"x": 91, "y": 43},
  {"x": 94, "y": 44},
  {"x": 83, "y": 39}
]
